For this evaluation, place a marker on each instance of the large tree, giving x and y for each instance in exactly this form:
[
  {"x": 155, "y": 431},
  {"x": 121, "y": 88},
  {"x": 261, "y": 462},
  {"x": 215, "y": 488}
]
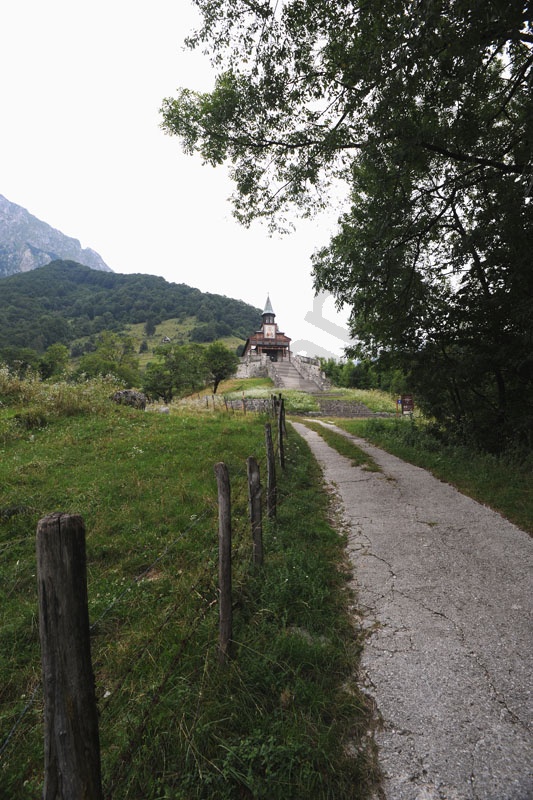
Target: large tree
[
  {"x": 221, "y": 363},
  {"x": 178, "y": 369},
  {"x": 424, "y": 111}
]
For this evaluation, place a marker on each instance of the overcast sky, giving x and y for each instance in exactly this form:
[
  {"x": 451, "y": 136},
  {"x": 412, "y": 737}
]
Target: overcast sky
[{"x": 80, "y": 90}]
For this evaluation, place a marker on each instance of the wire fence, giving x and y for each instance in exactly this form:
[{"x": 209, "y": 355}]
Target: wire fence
[{"x": 204, "y": 587}]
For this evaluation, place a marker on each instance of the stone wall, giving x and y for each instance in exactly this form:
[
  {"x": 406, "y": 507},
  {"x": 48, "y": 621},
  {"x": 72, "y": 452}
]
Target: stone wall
[
  {"x": 253, "y": 367},
  {"x": 261, "y": 367}
]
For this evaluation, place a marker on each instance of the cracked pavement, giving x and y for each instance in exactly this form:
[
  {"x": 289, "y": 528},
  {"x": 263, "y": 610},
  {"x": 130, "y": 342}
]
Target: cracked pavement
[{"x": 444, "y": 588}]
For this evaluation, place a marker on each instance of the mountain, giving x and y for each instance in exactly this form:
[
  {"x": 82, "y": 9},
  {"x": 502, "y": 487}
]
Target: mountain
[
  {"x": 63, "y": 302},
  {"x": 27, "y": 243}
]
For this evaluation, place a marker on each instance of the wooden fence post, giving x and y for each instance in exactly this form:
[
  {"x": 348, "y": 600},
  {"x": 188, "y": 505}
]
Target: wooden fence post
[
  {"x": 281, "y": 422},
  {"x": 224, "y": 561},
  {"x": 254, "y": 497},
  {"x": 71, "y": 740},
  {"x": 271, "y": 473}
]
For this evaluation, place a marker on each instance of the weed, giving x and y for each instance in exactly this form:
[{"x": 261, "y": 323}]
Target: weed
[{"x": 344, "y": 446}]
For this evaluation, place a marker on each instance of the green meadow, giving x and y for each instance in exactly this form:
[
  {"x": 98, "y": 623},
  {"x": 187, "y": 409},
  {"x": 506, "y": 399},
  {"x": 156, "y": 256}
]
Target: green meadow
[{"x": 284, "y": 718}]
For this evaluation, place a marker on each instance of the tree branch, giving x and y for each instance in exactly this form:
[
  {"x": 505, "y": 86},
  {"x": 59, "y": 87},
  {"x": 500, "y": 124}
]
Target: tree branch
[{"x": 512, "y": 169}]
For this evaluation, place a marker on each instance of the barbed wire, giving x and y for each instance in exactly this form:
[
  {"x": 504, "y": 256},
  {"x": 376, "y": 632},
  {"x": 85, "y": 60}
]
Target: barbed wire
[
  {"x": 166, "y": 620},
  {"x": 158, "y": 695}
]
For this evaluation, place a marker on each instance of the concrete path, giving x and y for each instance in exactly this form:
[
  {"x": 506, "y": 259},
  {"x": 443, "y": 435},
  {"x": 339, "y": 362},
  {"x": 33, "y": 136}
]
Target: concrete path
[{"x": 444, "y": 584}]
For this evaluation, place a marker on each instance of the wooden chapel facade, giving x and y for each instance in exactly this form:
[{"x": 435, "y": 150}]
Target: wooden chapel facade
[{"x": 269, "y": 340}]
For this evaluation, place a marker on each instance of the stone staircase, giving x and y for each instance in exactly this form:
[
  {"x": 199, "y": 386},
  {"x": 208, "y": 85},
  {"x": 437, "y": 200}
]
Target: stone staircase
[{"x": 286, "y": 376}]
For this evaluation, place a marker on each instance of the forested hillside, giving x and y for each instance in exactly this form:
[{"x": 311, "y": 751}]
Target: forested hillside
[{"x": 64, "y": 301}]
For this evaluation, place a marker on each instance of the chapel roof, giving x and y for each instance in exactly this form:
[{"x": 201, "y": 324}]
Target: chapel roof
[{"x": 268, "y": 306}]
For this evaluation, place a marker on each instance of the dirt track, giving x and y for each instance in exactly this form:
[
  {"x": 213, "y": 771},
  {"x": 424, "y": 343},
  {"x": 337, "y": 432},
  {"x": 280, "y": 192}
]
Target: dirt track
[{"x": 445, "y": 587}]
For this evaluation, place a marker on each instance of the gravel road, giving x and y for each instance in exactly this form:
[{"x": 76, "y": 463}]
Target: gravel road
[{"x": 444, "y": 588}]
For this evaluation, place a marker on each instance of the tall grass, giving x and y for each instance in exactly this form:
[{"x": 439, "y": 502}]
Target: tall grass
[
  {"x": 284, "y": 718},
  {"x": 295, "y": 401},
  {"x": 374, "y": 399},
  {"x": 239, "y": 385}
]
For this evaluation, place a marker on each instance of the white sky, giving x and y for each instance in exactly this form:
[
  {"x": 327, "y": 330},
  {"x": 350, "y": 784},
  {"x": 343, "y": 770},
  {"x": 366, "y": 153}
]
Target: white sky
[{"x": 81, "y": 85}]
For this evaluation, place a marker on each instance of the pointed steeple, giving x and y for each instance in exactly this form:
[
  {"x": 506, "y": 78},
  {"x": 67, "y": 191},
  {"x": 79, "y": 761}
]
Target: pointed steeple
[
  {"x": 268, "y": 313},
  {"x": 268, "y": 306}
]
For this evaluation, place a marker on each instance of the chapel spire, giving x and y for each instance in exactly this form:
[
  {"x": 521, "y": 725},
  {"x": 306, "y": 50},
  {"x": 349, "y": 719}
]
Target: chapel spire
[
  {"x": 268, "y": 306},
  {"x": 268, "y": 313}
]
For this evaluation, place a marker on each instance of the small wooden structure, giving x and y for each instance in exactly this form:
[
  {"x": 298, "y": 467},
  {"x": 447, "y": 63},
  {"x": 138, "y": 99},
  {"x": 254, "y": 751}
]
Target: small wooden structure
[{"x": 269, "y": 340}]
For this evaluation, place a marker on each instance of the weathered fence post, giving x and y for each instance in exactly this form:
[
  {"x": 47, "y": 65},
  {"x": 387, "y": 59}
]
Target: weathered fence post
[
  {"x": 224, "y": 561},
  {"x": 254, "y": 497},
  {"x": 283, "y": 420},
  {"x": 281, "y": 424},
  {"x": 271, "y": 473},
  {"x": 71, "y": 739}
]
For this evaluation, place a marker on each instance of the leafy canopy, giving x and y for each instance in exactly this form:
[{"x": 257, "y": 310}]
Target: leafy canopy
[
  {"x": 423, "y": 110},
  {"x": 304, "y": 86},
  {"x": 114, "y": 355}
]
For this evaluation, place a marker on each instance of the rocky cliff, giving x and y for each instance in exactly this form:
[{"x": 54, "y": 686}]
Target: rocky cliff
[{"x": 27, "y": 243}]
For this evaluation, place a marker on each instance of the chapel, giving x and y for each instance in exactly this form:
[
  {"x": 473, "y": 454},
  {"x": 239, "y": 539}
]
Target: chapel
[{"x": 269, "y": 340}]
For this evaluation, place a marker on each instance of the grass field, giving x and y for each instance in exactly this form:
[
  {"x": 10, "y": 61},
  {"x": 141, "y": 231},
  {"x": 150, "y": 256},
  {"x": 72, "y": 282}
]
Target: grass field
[{"x": 285, "y": 717}]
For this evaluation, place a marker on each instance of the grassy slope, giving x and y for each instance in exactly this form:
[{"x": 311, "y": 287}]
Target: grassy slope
[
  {"x": 178, "y": 331},
  {"x": 173, "y": 723},
  {"x": 373, "y": 399}
]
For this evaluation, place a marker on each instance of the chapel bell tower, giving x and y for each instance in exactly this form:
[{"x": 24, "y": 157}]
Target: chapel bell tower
[{"x": 269, "y": 324}]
